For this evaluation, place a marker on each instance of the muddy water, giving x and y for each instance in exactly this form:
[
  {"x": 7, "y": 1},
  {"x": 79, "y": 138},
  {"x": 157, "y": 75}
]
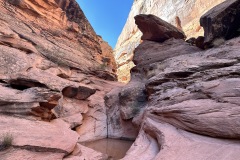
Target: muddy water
[{"x": 112, "y": 147}]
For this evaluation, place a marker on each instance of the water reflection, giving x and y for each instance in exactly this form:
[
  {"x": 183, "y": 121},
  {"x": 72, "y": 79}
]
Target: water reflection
[{"x": 113, "y": 147}]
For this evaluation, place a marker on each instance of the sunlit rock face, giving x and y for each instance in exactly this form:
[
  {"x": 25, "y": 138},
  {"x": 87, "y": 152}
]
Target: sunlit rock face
[
  {"x": 54, "y": 73},
  {"x": 184, "y": 14}
]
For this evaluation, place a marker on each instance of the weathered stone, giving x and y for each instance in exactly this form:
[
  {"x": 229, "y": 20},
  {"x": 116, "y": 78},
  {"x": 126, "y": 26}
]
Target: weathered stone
[
  {"x": 74, "y": 120},
  {"x": 200, "y": 42},
  {"x": 18, "y": 43},
  {"x": 94, "y": 121},
  {"x": 222, "y": 21},
  {"x": 196, "y": 93},
  {"x": 82, "y": 153},
  {"x": 156, "y": 29},
  {"x": 160, "y": 140},
  {"x": 108, "y": 57},
  {"x": 80, "y": 93},
  {"x": 9, "y": 95},
  {"x": 36, "y": 77},
  {"x": 105, "y": 75},
  {"x": 116, "y": 126},
  {"x": 68, "y": 26},
  {"x": 21, "y": 154},
  {"x": 156, "y": 54},
  {"x": 38, "y": 136},
  {"x": 205, "y": 117},
  {"x": 12, "y": 60},
  {"x": 67, "y": 107},
  {"x": 132, "y": 99},
  {"x": 187, "y": 11}
]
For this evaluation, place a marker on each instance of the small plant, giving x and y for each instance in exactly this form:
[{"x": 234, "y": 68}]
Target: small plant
[
  {"x": 6, "y": 141},
  {"x": 102, "y": 66},
  {"x": 217, "y": 42}
]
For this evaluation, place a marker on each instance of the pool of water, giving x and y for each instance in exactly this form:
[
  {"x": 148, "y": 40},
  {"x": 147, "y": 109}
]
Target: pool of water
[{"x": 112, "y": 147}]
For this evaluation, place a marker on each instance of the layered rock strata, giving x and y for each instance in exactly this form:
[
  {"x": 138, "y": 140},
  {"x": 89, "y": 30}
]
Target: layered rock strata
[
  {"x": 191, "y": 106},
  {"x": 54, "y": 74},
  {"x": 182, "y": 13}
]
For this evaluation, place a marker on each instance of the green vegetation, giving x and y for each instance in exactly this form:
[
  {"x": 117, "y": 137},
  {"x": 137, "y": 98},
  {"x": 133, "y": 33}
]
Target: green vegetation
[{"x": 6, "y": 141}]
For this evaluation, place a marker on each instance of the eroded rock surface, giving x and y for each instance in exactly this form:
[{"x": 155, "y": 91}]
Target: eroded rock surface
[
  {"x": 54, "y": 74},
  {"x": 192, "y": 109},
  {"x": 155, "y": 29},
  {"x": 221, "y": 21},
  {"x": 182, "y": 14}
]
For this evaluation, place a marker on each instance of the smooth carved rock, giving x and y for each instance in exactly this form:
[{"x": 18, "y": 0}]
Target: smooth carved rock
[
  {"x": 156, "y": 29},
  {"x": 193, "y": 102},
  {"x": 205, "y": 117},
  {"x": 160, "y": 140},
  {"x": 39, "y": 136},
  {"x": 222, "y": 21}
]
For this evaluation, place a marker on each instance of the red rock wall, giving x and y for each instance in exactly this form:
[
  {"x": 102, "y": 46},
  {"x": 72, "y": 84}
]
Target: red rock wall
[{"x": 187, "y": 14}]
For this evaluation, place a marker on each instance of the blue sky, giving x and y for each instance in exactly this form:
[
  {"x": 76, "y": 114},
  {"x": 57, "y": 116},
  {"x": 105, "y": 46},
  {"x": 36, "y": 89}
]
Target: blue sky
[{"x": 107, "y": 17}]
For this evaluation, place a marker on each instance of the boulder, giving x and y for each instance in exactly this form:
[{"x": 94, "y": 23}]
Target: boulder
[
  {"x": 150, "y": 56},
  {"x": 222, "y": 21},
  {"x": 156, "y": 29},
  {"x": 184, "y": 13}
]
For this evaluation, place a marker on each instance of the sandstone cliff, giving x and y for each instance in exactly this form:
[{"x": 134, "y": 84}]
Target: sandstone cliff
[
  {"x": 183, "y": 100},
  {"x": 182, "y": 13},
  {"x": 54, "y": 74},
  {"x": 57, "y": 88}
]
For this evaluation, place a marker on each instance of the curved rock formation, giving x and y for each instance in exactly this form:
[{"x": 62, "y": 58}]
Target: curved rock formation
[
  {"x": 52, "y": 82},
  {"x": 192, "y": 106},
  {"x": 57, "y": 88},
  {"x": 179, "y": 13}
]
